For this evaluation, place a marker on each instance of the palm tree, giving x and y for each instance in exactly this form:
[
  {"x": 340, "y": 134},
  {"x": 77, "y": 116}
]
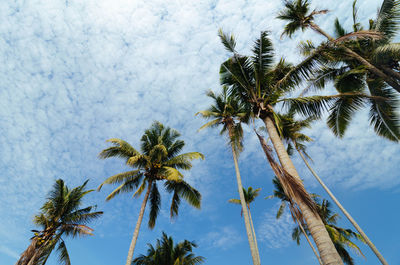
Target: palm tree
[
  {"x": 166, "y": 252},
  {"x": 341, "y": 237},
  {"x": 291, "y": 133},
  {"x": 249, "y": 196},
  {"x": 331, "y": 64},
  {"x": 229, "y": 112},
  {"x": 159, "y": 161},
  {"x": 254, "y": 79},
  {"x": 299, "y": 16},
  {"x": 61, "y": 215}
]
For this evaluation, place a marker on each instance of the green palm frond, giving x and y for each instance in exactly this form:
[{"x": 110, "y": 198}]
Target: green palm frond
[
  {"x": 228, "y": 41},
  {"x": 171, "y": 173},
  {"x": 120, "y": 149},
  {"x": 383, "y": 113},
  {"x": 339, "y": 30},
  {"x": 185, "y": 191},
  {"x": 235, "y": 201},
  {"x": 141, "y": 188},
  {"x": 63, "y": 253},
  {"x": 155, "y": 203},
  {"x": 183, "y": 161},
  {"x": 128, "y": 186},
  {"x": 341, "y": 113},
  {"x": 280, "y": 210},
  {"x": 388, "y": 17},
  {"x": 386, "y": 52},
  {"x": 121, "y": 177},
  {"x": 263, "y": 56}
]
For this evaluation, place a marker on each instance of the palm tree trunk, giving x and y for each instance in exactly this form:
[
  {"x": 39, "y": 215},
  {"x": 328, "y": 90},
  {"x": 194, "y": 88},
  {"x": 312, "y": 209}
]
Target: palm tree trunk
[
  {"x": 354, "y": 223},
  {"x": 254, "y": 253},
  {"x": 254, "y": 232},
  {"x": 359, "y": 58},
  {"x": 309, "y": 241},
  {"x": 138, "y": 223},
  {"x": 327, "y": 250}
]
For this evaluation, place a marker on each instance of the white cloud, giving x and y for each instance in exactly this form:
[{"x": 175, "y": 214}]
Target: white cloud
[
  {"x": 276, "y": 233},
  {"x": 76, "y": 73},
  {"x": 224, "y": 238}
]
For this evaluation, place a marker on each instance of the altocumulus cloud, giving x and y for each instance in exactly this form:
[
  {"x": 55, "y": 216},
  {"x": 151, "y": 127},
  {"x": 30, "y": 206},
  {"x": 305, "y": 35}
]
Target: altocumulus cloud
[{"x": 75, "y": 73}]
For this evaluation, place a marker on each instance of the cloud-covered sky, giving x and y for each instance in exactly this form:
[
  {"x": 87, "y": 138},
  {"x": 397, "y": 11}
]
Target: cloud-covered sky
[{"x": 75, "y": 73}]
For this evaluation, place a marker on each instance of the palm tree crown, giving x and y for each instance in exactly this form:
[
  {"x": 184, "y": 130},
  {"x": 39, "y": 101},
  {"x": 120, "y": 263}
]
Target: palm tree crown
[
  {"x": 249, "y": 196},
  {"x": 61, "y": 215},
  {"x": 166, "y": 252},
  {"x": 227, "y": 111},
  {"x": 159, "y": 161}
]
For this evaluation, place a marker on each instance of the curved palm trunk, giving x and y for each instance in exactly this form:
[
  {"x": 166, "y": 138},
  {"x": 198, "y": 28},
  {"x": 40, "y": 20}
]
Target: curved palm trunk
[
  {"x": 254, "y": 232},
  {"x": 137, "y": 227},
  {"x": 254, "y": 253},
  {"x": 363, "y": 61},
  {"x": 354, "y": 223},
  {"x": 327, "y": 250}
]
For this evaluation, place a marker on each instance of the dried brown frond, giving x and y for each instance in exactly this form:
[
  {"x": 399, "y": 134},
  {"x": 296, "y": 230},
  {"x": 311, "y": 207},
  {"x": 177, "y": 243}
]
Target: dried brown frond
[
  {"x": 319, "y": 12},
  {"x": 363, "y": 34},
  {"x": 292, "y": 186}
]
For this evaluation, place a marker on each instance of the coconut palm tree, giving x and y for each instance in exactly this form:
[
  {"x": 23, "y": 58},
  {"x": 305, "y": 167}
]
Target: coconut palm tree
[
  {"x": 332, "y": 65},
  {"x": 342, "y": 238},
  {"x": 159, "y": 161},
  {"x": 229, "y": 112},
  {"x": 254, "y": 79},
  {"x": 295, "y": 139},
  {"x": 166, "y": 252},
  {"x": 249, "y": 196},
  {"x": 299, "y": 16},
  {"x": 60, "y": 216}
]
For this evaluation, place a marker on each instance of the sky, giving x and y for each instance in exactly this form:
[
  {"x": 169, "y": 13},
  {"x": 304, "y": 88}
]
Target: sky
[{"x": 76, "y": 73}]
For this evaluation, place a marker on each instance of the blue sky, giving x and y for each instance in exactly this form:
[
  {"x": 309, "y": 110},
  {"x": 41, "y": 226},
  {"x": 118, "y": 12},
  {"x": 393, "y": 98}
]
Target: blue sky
[{"x": 75, "y": 73}]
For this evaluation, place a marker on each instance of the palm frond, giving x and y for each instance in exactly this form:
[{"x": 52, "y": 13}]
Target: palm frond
[
  {"x": 155, "y": 203},
  {"x": 228, "y": 41},
  {"x": 63, "y": 253},
  {"x": 341, "y": 113},
  {"x": 121, "y": 177},
  {"x": 383, "y": 113},
  {"x": 388, "y": 18},
  {"x": 263, "y": 56},
  {"x": 121, "y": 149}
]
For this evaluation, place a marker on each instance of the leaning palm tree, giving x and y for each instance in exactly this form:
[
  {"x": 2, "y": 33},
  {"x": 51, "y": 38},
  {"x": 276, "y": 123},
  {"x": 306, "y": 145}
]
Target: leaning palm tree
[
  {"x": 254, "y": 79},
  {"x": 249, "y": 196},
  {"x": 61, "y": 215},
  {"x": 295, "y": 139},
  {"x": 229, "y": 112},
  {"x": 299, "y": 16},
  {"x": 159, "y": 161},
  {"x": 166, "y": 252},
  {"x": 342, "y": 238}
]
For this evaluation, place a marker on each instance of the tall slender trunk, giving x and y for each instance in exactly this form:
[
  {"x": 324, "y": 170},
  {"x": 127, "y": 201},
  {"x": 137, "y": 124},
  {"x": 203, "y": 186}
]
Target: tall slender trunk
[
  {"x": 327, "y": 250},
  {"x": 354, "y": 223},
  {"x": 254, "y": 232},
  {"x": 372, "y": 68},
  {"x": 254, "y": 253},
  {"x": 309, "y": 241},
  {"x": 138, "y": 223}
]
